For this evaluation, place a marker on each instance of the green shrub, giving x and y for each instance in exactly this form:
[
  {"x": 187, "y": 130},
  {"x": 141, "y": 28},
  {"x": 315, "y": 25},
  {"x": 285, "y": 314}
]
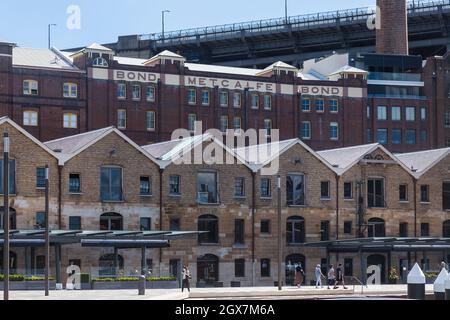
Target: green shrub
[
  {"x": 162, "y": 279},
  {"x": 85, "y": 278},
  {"x": 13, "y": 277},
  {"x": 123, "y": 279},
  {"x": 34, "y": 278},
  {"x": 431, "y": 275}
]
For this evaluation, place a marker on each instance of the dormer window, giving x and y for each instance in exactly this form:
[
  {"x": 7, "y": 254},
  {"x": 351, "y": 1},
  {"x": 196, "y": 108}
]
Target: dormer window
[{"x": 100, "y": 62}]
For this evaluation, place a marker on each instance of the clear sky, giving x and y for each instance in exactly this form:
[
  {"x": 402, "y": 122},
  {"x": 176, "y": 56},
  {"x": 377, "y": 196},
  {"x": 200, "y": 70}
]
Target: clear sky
[{"x": 25, "y": 21}]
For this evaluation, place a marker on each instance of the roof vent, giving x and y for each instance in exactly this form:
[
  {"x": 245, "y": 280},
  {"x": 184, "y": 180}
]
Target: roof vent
[
  {"x": 335, "y": 166},
  {"x": 57, "y": 150}
]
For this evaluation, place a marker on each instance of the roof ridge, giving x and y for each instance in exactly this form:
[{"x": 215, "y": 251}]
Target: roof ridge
[
  {"x": 348, "y": 148},
  {"x": 80, "y": 135},
  {"x": 423, "y": 151}
]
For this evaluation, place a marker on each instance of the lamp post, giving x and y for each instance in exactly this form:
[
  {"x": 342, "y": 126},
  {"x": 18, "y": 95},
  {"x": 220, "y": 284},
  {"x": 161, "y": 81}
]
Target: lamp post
[
  {"x": 47, "y": 233},
  {"x": 286, "y": 10},
  {"x": 163, "y": 13},
  {"x": 6, "y": 216},
  {"x": 50, "y": 35},
  {"x": 280, "y": 230}
]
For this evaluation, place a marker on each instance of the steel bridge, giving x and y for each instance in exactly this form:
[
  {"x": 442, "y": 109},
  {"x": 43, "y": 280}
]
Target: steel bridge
[{"x": 293, "y": 39}]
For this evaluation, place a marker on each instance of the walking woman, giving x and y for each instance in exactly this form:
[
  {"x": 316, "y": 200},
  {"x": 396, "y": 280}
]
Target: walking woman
[
  {"x": 299, "y": 275},
  {"x": 186, "y": 277}
]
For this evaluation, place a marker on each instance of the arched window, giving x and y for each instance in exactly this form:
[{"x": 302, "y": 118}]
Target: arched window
[
  {"x": 111, "y": 221},
  {"x": 100, "y": 62},
  {"x": 12, "y": 218},
  {"x": 107, "y": 264},
  {"x": 30, "y": 118},
  {"x": 207, "y": 270},
  {"x": 376, "y": 228},
  {"x": 210, "y": 224},
  {"x": 295, "y": 230},
  {"x": 446, "y": 229},
  {"x": 30, "y": 87}
]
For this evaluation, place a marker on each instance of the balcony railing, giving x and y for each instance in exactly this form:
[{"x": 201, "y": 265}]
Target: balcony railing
[{"x": 394, "y": 76}]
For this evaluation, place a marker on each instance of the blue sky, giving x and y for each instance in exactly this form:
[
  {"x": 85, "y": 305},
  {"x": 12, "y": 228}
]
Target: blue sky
[{"x": 25, "y": 21}]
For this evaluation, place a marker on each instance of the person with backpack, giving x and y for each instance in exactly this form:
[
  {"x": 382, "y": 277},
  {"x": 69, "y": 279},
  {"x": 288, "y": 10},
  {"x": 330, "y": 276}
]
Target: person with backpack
[{"x": 340, "y": 277}]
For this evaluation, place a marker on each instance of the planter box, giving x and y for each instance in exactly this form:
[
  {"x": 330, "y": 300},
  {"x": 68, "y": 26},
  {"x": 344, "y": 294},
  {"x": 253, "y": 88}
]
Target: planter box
[
  {"x": 163, "y": 285},
  {"x": 28, "y": 285},
  {"x": 115, "y": 285}
]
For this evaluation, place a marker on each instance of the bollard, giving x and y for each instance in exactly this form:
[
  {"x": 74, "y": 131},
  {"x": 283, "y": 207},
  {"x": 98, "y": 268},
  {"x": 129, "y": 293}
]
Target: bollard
[
  {"x": 447, "y": 287},
  {"x": 439, "y": 285},
  {"x": 142, "y": 281},
  {"x": 416, "y": 283}
]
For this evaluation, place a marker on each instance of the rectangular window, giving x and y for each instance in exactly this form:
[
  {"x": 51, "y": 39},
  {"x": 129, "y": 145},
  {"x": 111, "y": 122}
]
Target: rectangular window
[
  {"x": 239, "y": 231},
  {"x": 111, "y": 184},
  {"x": 121, "y": 119},
  {"x": 40, "y": 177},
  {"x": 239, "y": 268},
  {"x": 403, "y": 193},
  {"x": 191, "y": 122},
  {"x": 265, "y": 268},
  {"x": 223, "y": 122},
  {"x": 239, "y": 187},
  {"x": 334, "y": 131},
  {"x": 12, "y": 176},
  {"x": 267, "y": 102},
  {"x": 207, "y": 188},
  {"x": 295, "y": 190},
  {"x": 265, "y": 226},
  {"x": 70, "y": 120},
  {"x": 30, "y": 118},
  {"x": 74, "y": 183},
  {"x": 382, "y": 113},
  {"x": 425, "y": 193},
  {"x": 325, "y": 190},
  {"x": 306, "y": 130},
  {"x": 375, "y": 193},
  {"x": 348, "y": 190},
  {"x": 425, "y": 229},
  {"x": 75, "y": 223},
  {"x": 396, "y": 113},
  {"x": 136, "y": 92},
  {"x": 175, "y": 224},
  {"x": 145, "y": 186},
  {"x": 121, "y": 91},
  {"x": 403, "y": 230},
  {"x": 306, "y": 105},
  {"x": 174, "y": 185},
  {"x": 30, "y": 87},
  {"x": 369, "y": 112},
  {"x": 40, "y": 220},
  {"x": 334, "y": 106},
  {"x": 410, "y": 136},
  {"x": 423, "y": 114},
  {"x": 151, "y": 121},
  {"x": 151, "y": 93},
  {"x": 382, "y": 135},
  {"x": 369, "y": 136},
  {"x": 446, "y": 196},
  {"x": 192, "y": 96},
  {"x": 145, "y": 224},
  {"x": 70, "y": 90},
  {"x": 423, "y": 136},
  {"x": 205, "y": 97},
  {"x": 410, "y": 114},
  {"x": 237, "y": 99},
  {"x": 255, "y": 101},
  {"x": 348, "y": 267},
  {"x": 268, "y": 127},
  {"x": 396, "y": 136},
  {"x": 348, "y": 227},
  {"x": 223, "y": 99},
  {"x": 237, "y": 124},
  {"x": 325, "y": 231},
  {"x": 320, "y": 105},
  {"x": 266, "y": 190}
]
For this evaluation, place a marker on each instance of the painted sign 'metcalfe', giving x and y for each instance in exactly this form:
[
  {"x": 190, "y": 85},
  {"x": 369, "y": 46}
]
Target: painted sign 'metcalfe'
[{"x": 230, "y": 84}]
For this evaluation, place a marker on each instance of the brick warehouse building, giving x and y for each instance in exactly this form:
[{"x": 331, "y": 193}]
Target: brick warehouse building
[{"x": 351, "y": 193}]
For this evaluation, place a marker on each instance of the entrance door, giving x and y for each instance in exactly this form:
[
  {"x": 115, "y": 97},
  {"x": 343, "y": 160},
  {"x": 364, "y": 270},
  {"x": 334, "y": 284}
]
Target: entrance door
[
  {"x": 292, "y": 262},
  {"x": 175, "y": 269},
  {"x": 207, "y": 270},
  {"x": 378, "y": 260}
]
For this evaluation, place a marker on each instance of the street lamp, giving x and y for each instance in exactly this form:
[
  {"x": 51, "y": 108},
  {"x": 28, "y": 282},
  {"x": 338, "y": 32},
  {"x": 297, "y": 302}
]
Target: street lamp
[
  {"x": 163, "y": 13},
  {"x": 47, "y": 233},
  {"x": 49, "y": 35},
  {"x": 6, "y": 216},
  {"x": 286, "y": 10},
  {"x": 280, "y": 230}
]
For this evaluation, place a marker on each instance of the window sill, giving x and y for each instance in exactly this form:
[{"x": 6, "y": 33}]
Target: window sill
[
  {"x": 265, "y": 235},
  {"x": 240, "y": 197},
  {"x": 146, "y": 195},
  {"x": 151, "y": 130},
  {"x": 240, "y": 246},
  {"x": 295, "y": 244},
  {"x": 325, "y": 199},
  {"x": 306, "y": 111},
  {"x": 266, "y": 198},
  {"x": 425, "y": 203},
  {"x": 119, "y": 98},
  {"x": 298, "y": 206},
  {"x": 112, "y": 201},
  {"x": 209, "y": 204},
  {"x": 150, "y": 100},
  {"x": 404, "y": 202},
  {"x": 70, "y": 97},
  {"x": 76, "y": 193},
  {"x": 136, "y": 99},
  {"x": 348, "y": 200},
  {"x": 40, "y": 188},
  {"x": 208, "y": 244},
  {"x": 175, "y": 195}
]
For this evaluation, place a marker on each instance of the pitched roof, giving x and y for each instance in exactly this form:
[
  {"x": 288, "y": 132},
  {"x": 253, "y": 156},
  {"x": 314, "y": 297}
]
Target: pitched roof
[
  {"x": 69, "y": 147},
  {"x": 348, "y": 69},
  {"x": 280, "y": 64},
  {"x": 420, "y": 162},
  {"x": 222, "y": 69},
  {"x": 41, "y": 58},
  {"x": 96, "y": 46}
]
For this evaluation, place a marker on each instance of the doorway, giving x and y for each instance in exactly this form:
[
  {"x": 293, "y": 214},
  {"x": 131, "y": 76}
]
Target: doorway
[
  {"x": 292, "y": 261},
  {"x": 380, "y": 261}
]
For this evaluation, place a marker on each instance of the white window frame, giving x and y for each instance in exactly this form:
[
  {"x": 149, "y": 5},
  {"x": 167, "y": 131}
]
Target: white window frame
[
  {"x": 309, "y": 131},
  {"x": 235, "y": 95},
  {"x": 190, "y": 122},
  {"x": 309, "y": 105},
  {"x": 253, "y": 96},
  {"x": 267, "y": 98},
  {"x": 408, "y": 115},
  {"x": 268, "y": 128},
  {"x": 153, "y": 127},
  {"x": 28, "y": 118},
  {"x": 124, "y": 86},
  {"x": 221, "y": 123},
  {"x": 399, "y": 113},
  {"x": 119, "y": 112},
  {"x": 381, "y": 112},
  {"x": 240, "y": 124},
  {"x": 334, "y": 124},
  {"x": 72, "y": 90},
  {"x": 223, "y": 94},
  {"x": 72, "y": 120},
  {"x": 206, "y": 103},
  {"x": 331, "y": 105},
  {"x": 32, "y": 85},
  {"x": 323, "y": 105},
  {"x": 153, "y": 95},
  {"x": 133, "y": 87},
  {"x": 189, "y": 95},
  {"x": 423, "y": 113}
]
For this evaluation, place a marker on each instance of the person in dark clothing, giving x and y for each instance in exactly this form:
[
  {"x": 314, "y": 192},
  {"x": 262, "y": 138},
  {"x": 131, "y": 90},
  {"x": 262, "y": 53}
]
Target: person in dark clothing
[
  {"x": 339, "y": 277},
  {"x": 186, "y": 277},
  {"x": 299, "y": 275}
]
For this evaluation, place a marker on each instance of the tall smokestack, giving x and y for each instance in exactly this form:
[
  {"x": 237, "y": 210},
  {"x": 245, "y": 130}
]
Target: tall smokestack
[{"x": 392, "y": 33}]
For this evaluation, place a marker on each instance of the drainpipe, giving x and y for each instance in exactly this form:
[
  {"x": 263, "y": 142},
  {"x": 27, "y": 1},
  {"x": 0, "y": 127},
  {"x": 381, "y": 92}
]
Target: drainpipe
[
  {"x": 60, "y": 168},
  {"x": 415, "y": 206},
  {"x": 253, "y": 226},
  {"x": 337, "y": 206},
  {"x": 161, "y": 171},
  {"x": 435, "y": 107}
]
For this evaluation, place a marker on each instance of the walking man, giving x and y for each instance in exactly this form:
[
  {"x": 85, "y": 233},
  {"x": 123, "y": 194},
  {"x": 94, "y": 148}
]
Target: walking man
[
  {"x": 331, "y": 277},
  {"x": 319, "y": 276},
  {"x": 186, "y": 277},
  {"x": 340, "y": 277}
]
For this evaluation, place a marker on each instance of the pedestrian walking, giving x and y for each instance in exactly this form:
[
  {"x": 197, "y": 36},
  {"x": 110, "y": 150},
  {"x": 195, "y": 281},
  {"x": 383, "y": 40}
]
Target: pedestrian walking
[
  {"x": 331, "y": 277},
  {"x": 299, "y": 275},
  {"x": 319, "y": 276},
  {"x": 186, "y": 278},
  {"x": 340, "y": 277}
]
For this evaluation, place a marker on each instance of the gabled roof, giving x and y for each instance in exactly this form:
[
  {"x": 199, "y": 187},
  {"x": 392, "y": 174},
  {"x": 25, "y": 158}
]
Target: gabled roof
[
  {"x": 221, "y": 69},
  {"x": 259, "y": 156},
  {"x": 69, "y": 147},
  {"x": 166, "y": 54},
  {"x": 344, "y": 159},
  {"x": 28, "y": 135},
  {"x": 348, "y": 69},
  {"x": 96, "y": 46},
  {"x": 280, "y": 64},
  {"x": 420, "y": 162},
  {"x": 42, "y": 58}
]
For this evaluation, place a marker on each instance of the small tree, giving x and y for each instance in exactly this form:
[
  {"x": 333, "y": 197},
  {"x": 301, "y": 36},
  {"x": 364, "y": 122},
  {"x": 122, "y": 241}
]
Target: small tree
[{"x": 393, "y": 274}]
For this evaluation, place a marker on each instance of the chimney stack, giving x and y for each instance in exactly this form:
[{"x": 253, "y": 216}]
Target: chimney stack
[{"x": 392, "y": 33}]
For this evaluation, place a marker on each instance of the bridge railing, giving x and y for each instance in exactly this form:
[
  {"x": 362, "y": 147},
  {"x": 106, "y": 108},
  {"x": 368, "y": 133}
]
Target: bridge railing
[{"x": 301, "y": 21}]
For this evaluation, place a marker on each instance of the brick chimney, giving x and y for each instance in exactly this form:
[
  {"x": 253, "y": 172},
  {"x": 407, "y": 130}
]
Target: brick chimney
[{"x": 392, "y": 33}]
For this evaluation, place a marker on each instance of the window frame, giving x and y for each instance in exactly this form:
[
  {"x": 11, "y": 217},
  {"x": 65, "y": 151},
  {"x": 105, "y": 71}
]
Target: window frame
[
  {"x": 236, "y": 94},
  {"x": 122, "y": 196},
  {"x": 133, "y": 92},
  {"x": 79, "y": 183},
  {"x": 309, "y": 130},
  {"x": 33, "y": 85},
  {"x": 149, "y": 180},
  {"x": 28, "y": 115},
  {"x": 408, "y": 117},
  {"x": 334, "y": 125},
  {"x": 255, "y": 98},
  {"x": 322, "y": 103},
  {"x": 241, "y": 181},
  {"x": 351, "y": 191},
  {"x": 396, "y": 116},
  {"x": 70, "y": 91},
  {"x": 304, "y": 104},
  {"x": 150, "y": 88},
  {"x": 269, "y": 188},
  {"x": 334, "y": 108},
  {"x": 380, "y": 112},
  {"x": 206, "y": 93},
  {"x": 119, "y": 124},
  {"x": 223, "y": 94},
  {"x": 328, "y": 191},
  {"x": 71, "y": 116},
  {"x": 191, "y": 115},
  {"x": 192, "y": 93},
  {"x": 121, "y": 86},
  {"x": 151, "y": 128},
  {"x": 178, "y": 185},
  {"x": 406, "y": 198},
  {"x": 267, "y": 102}
]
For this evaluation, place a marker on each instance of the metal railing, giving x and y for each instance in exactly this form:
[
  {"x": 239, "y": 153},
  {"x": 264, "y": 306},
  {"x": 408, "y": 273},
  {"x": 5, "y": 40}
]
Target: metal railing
[
  {"x": 306, "y": 21},
  {"x": 360, "y": 283}
]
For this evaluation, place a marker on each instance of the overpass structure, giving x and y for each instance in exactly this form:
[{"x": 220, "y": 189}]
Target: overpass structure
[{"x": 293, "y": 39}]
